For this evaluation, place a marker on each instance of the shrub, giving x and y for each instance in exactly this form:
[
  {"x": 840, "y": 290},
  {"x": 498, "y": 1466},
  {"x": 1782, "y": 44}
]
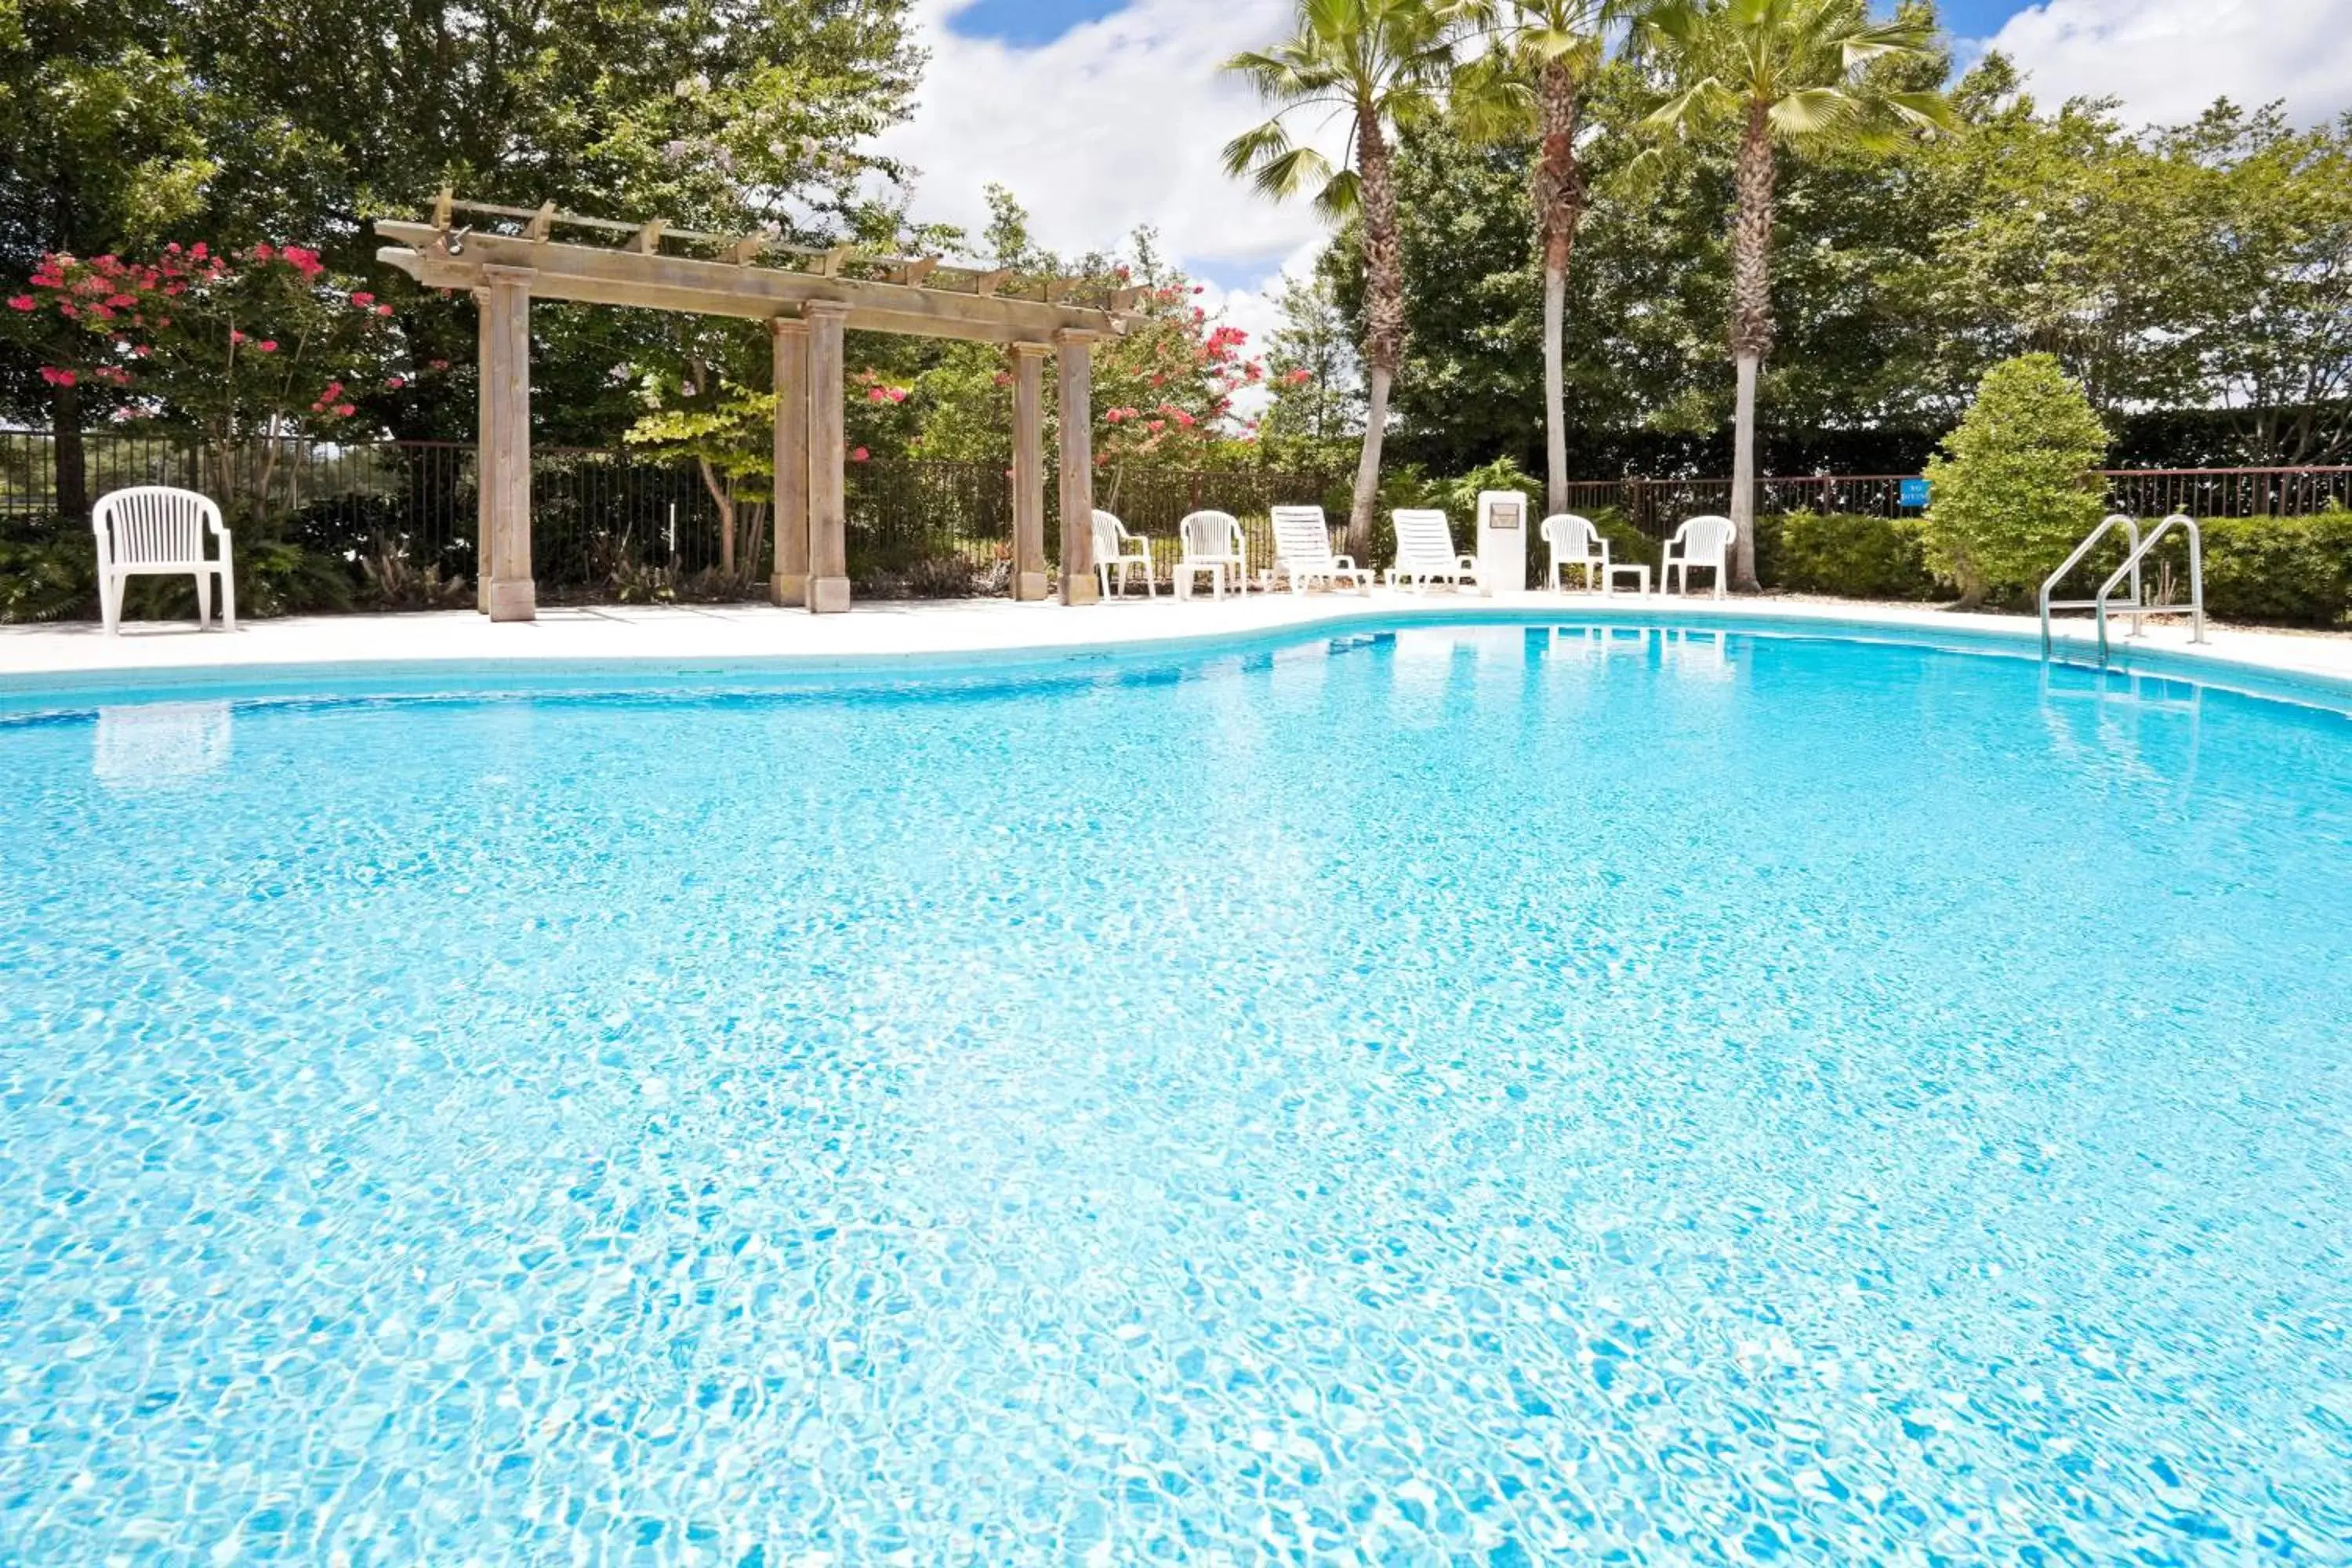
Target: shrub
[
  {"x": 1850, "y": 556},
  {"x": 2015, "y": 489},
  {"x": 49, "y": 580},
  {"x": 2288, "y": 571}
]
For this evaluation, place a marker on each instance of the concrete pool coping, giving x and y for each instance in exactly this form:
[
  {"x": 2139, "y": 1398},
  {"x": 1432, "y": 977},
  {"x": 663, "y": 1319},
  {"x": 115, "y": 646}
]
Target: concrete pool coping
[{"x": 160, "y": 658}]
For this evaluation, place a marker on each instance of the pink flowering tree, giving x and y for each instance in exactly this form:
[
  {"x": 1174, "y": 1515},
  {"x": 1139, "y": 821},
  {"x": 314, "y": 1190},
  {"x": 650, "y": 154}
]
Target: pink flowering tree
[
  {"x": 246, "y": 349},
  {"x": 1163, "y": 391}
]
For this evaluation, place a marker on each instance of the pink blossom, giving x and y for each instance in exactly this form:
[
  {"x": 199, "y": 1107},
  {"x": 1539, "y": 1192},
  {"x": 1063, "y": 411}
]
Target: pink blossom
[
  {"x": 56, "y": 377},
  {"x": 262, "y": 253},
  {"x": 345, "y": 410},
  {"x": 858, "y": 455},
  {"x": 234, "y": 337},
  {"x": 268, "y": 345},
  {"x": 384, "y": 310},
  {"x": 20, "y": 302},
  {"x": 396, "y": 383},
  {"x": 363, "y": 298}
]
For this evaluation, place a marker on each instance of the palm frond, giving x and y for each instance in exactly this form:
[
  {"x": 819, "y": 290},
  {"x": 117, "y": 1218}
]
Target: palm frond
[
  {"x": 1341, "y": 197},
  {"x": 1286, "y": 174}
]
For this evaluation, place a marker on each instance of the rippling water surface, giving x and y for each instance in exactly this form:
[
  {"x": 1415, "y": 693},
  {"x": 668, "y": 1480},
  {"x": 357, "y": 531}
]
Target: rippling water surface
[{"x": 1485, "y": 1095}]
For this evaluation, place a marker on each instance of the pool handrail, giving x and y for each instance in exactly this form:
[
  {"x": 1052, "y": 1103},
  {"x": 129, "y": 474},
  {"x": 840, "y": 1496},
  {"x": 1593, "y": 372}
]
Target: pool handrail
[
  {"x": 2107, "y": 525},
  {"x": 2138, "y": 606}
]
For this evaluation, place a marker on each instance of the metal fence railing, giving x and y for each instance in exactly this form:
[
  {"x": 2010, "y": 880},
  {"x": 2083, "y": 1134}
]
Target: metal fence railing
[{"x": 1657, "y": 506}]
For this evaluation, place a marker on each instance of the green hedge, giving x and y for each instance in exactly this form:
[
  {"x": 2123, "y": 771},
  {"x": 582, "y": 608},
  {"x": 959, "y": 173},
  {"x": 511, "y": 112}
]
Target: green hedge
[
  {"x": 2286, "y": 571},
  {"x": 2274, "y": 571},
  {"x": 1848, "y": 557}
]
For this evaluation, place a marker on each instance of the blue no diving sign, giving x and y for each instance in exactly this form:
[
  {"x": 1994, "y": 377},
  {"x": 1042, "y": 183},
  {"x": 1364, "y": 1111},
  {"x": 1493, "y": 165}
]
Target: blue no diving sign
[{"x": 1915, "y": 492}]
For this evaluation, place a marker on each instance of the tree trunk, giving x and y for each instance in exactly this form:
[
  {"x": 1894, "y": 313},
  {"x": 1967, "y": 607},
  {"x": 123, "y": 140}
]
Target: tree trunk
[
  {"x": 726, "y": 504},
  {"x": 1367, "y": 498},
  {"x": 1559, "y": 194},
  {"x": 70, "y": 462},
  {"x": 1743, "y": 481},
  {"x": 1555, "y": 309},
  {"x": 1751, "y": 323},
  {"x": 1383, "y": 317}
]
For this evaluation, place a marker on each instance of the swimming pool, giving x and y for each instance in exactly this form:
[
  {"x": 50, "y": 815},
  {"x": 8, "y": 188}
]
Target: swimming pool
[{"x": 1482, "y": 1093}]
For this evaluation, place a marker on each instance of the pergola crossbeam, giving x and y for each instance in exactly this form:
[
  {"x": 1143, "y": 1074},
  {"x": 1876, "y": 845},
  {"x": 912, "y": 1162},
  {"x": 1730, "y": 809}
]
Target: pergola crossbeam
[{"x": 646, "y": 237}]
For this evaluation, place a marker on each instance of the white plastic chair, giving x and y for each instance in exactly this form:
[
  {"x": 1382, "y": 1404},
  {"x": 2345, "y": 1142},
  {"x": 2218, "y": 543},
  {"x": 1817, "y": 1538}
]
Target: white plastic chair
[
  {"x": 1425, "y": 552},
  {"x": 1575, "y": 542},
  {"x": 157, "y": 531},
  {"x": 1213, "y": 542},
  {"x": 1302, "y": 551},
  {"x": 1704, "y": 543},
  {"x": 1114, "y": 546}
]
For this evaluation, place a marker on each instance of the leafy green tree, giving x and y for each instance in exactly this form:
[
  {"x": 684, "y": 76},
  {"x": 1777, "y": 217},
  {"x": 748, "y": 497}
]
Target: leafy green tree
[
  {"x": 2017, "y": 484},
  {"x": 1379, "y": 64},
  {"x": 102, "y": 149},
  {"x": 1779, "y": 73},
  {"x": 1532, "y": 80},
  {"x": 2262, "y": 302},
  {"x": 1313, "y": 376}
]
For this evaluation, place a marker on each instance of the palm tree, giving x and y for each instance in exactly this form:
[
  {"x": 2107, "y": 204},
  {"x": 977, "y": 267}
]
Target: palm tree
[
  {"x": 1779, "y": 73},
  {"x": 1379, "y": 64},
  {"x": 1544, "y": 53}
]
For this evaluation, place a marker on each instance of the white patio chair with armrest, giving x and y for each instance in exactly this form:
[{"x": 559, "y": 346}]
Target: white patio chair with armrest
[
  {"x": 1425, "y": 552},
  {"x": 1212, "y": 543},
  {"x": 1302, "y": 551},
  {"x": 1705, "y": 544},
  {"x": 1114, "y": 546},
  {"x": 157, "y": 531},
  {"x": 1575, "y": 542}
]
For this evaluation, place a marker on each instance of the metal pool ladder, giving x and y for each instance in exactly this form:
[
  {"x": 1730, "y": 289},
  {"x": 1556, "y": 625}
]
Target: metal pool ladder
[{"x": 2138, "y": 604}]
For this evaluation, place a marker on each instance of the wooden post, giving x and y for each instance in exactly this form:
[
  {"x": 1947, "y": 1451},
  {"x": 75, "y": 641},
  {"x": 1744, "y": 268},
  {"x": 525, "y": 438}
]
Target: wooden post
[
  {"x": 791, "y": 342},
  {"x": 1077, "y": 353},
  {"x": 827, "y": 485},
  {"x": 505, "y": 458},
  {"x": 1029, "y": 581},
  {"x": 485, "y": 547}
]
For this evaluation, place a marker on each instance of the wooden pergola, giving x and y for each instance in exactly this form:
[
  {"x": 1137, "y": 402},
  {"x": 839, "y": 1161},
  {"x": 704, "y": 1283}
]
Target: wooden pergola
[{"x": 507, "y": 257}]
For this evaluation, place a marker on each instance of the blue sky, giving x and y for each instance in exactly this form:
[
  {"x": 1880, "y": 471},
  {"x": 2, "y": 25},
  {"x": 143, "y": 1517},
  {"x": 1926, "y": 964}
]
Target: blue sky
[{"x": 1029, "y": 22}]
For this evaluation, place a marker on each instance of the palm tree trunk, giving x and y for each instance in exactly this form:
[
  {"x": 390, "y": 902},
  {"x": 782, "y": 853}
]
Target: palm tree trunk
[
  {"x": 1383, "y": 319},
  {"x": 1366, "y": 499},
  {"x": 1751, "y": 325},
  {"x": 1559, "y": 204}
]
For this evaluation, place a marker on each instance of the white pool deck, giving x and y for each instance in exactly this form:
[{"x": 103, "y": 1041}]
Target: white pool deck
[{"x": 80, "y": 653}]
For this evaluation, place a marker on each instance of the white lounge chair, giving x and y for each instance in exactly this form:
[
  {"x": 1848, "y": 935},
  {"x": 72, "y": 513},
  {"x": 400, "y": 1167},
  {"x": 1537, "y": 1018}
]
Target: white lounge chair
[
  {"x": 156, "y": 531},
  {"x": 1575, "y": 541},
  {"x": 1114, "y": 546},
  {"x": 1302, "y": 551},
  {"x": 1212, "y": 543},
  {"x": 1425, "y": 552},
  {"x": 1705, "y": 544}
]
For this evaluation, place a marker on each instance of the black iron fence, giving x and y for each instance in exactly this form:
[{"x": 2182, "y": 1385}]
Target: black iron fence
[
  {"x": 618, "y": 523},
  {"x": 1657, "y": 506}
]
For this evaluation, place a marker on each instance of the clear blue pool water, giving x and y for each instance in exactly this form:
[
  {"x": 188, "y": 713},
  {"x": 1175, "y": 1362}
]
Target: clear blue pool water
[{"x": 1482, "y": 1094}]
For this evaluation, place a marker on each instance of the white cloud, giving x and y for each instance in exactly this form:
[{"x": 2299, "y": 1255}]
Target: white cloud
[
  {"x": 1116, "y": 123},
  {"x": 2167, "y": 59}
]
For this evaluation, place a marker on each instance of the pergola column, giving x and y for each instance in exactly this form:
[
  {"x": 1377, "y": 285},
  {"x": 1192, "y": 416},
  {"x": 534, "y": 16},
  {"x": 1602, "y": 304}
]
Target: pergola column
[
  {"x": 1076, "y": 367},
  {"x": 482, "y": 544},
  {"x": 828, "y": 484},
  {"x": 505, "y": 457},
  {"x": 791, "y": 342},
  {"x": 1029, "y": 580}
]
